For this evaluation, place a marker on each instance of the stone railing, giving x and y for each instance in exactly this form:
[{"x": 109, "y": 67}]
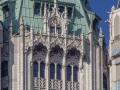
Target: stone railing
[
  {"x": 55, "y": 84},
  {"x": 39, "y": 82},
  {"x": 72, "y": 85}
]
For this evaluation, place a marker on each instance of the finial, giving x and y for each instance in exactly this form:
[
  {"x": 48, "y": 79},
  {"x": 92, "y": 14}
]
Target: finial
[
  {"x": 100, "y": 32},
  {"x": 118, "y": 5},
  {"x": 31, "y": 29},
  {"x": 113, "y": 8},
  {"x": 21, "y": 20},
  {"x": 11, "y": 24},
  {"x": 73, "y": 34},
  {"x": 91, "y": 27},
  {"x": 55, "y": 3},
  {"x": 65, "y": 12},
  {"x": 45, "y": 9}
]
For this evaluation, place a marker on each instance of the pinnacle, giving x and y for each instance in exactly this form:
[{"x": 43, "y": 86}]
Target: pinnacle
[{"x": 118, "y": 5}]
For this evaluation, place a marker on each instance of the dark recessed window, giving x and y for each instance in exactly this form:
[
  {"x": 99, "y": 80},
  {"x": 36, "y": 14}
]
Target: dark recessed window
[
  {"x": 52, "y": 29},
  {"x": 51, "y": 6},
  {"x": 75, "y": 74},
  {"x": 37, "y": 8},
  {"x": 4, "y": 69},
  {"x": 68, "y": 73},
  {"x": 58, "y": 71},
  {"x": 104, "y": 82},
  {"x": 5, "y": 89},
  {"x": 42, "y": 70},
  {"x": 35, "y": 69},
  {"x": 59, "y": 30},
  {"x": 6, "y": 11},
  {"x": 52, "y": 71},
  {"x": 61, "y": 9},
  {"x": 69, "y": 11},
  {"x": 94, "y": 24}
]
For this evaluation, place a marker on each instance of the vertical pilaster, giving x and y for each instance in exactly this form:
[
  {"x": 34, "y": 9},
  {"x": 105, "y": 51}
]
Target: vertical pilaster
[
  {"x": 91, "y": 59},
  {"x": 101, "y": 59},
  {"x": 81, "y": 74},
  {"x": 29, "y": 60},
  {"x": 11, "y": 69},
  {"x": 47, "y": 74},
  {"x": 64, "y": 72},
  {"x": 21, "y": 61}
]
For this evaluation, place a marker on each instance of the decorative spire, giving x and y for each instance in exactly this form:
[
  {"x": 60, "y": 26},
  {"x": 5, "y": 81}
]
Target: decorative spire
[
  {"x": 66, "y": 12},
  {"x": 118, "y": 5},
  {"x": 45, "y": 10},
  {"x": 55, "y": 3},
  {"x": 100, "y": 32}
]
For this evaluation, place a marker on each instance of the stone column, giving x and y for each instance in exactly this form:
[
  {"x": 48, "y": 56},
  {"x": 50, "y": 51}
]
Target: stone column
[
  {"x": 90, "y": 69},
  {"x": 64, "y": 72},
  {"x": 101, "y": 59},
  {"x": 11, "y": 59},
  {"x": 47, "y": 70},
  {"x": 80, "y": 78}
]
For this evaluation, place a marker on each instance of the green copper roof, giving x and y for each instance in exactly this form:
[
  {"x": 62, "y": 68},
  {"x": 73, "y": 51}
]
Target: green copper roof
[{"x": 82, "y": 15}]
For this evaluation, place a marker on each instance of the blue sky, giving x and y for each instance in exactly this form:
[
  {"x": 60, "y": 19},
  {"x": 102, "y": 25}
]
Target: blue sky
[{"x": 101, "y": 7}]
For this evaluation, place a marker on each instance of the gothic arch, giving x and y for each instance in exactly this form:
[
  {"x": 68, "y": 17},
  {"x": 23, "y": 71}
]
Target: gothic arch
[
  {"x": 73, "y": 57},
  {"x": 39, "y": 53},
  {"x": 56, "y": 55}
]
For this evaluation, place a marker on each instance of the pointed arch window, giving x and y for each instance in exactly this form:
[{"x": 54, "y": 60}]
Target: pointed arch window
[
  {"x": 35, "y": 69},
  {"x": 58, "y": 71},
  {"x": 69, "y": 73},
  {"x": 55, "y": 26},
  {"x": 75, "y": 76},
  {"x": 52, "y": 71},
  {"x": 4, "y": 69},
  {"x": 42, "y": 70}
]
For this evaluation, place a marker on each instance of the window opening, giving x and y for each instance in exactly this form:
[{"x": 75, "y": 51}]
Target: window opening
[
  {"x": 35, "y": 68},
  {"x": 58, "y": 71},
  {"x": 68, "y": 73},
  {"x": 37, "y": 8},
  {"x": 61, "y": 9},
  {"x": 5, "y": 89},
  {"x": 69, "y": 11},
  {"x": 42, "y": 70},
  {"x": 52, "y": 29},
  {"x": 52, "y": 71},
  {"x": 4, "y": 69},
  {"x": 6, "y": 11},
  {"x": 75, "y": 74}
]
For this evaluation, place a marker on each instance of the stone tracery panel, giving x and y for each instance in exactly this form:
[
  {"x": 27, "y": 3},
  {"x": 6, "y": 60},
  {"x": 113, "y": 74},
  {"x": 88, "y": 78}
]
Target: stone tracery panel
[
  {"x": 56, "y": 55},
  {"x": 73, "y": 55},
  {"x": 39, "y": 53}
]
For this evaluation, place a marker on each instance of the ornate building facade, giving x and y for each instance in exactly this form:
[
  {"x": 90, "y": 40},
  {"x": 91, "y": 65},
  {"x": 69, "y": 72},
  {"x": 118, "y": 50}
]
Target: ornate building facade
[
  {"x": 51, "y": 45},
  {"x": 114, "y": 47}
]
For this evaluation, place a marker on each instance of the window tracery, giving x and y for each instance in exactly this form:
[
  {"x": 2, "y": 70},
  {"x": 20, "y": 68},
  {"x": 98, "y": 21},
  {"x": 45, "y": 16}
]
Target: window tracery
[
  {"x": 55, "y": 26},
  {"x": 35, "y": 69},
  {"x": 73, "y": 55}
]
